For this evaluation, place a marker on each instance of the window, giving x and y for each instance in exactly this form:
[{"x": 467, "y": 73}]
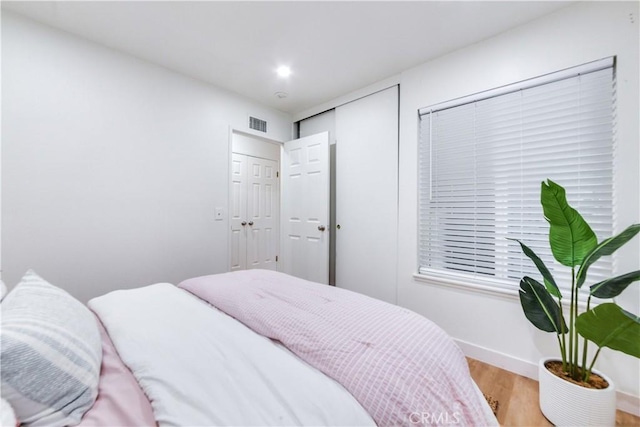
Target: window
[{"x": 481, "y": 162}]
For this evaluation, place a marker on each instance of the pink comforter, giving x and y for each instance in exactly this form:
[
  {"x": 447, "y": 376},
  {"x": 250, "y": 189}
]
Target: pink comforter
[
  {"x": 401, "y": 367},
  {"x": 121, "y": 401}
]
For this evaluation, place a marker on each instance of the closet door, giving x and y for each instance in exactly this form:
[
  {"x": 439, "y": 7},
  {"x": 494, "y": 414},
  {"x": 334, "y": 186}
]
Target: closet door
[
  {"x": 262, "y": 208},
  {"x": 367, "y": 195},
  {"x": 254, "y": 213},
  {"x": 238, "y": 212}
]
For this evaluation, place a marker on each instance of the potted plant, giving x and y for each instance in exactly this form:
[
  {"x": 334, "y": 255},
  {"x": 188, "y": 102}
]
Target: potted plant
[{"x": 575, "y": 394}]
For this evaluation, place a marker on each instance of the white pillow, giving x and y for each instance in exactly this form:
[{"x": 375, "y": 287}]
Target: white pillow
[{"x": 50, "y": 354}]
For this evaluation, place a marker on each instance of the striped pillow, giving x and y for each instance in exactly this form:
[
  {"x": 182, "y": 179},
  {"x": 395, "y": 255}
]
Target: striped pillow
[{"x": 50, "y": 354}]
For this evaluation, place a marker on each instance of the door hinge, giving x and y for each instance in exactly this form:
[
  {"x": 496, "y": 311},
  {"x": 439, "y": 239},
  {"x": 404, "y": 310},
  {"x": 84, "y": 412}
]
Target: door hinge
[
  {"x": 276, "y": 258},
  {"x": 277, "y": 174}
]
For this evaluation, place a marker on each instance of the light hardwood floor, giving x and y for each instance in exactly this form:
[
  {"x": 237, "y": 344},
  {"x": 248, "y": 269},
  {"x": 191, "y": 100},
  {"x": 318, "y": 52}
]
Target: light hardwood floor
[{"x": 518, "y": 397}]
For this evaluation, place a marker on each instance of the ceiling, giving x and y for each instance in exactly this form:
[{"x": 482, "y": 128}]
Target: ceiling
[{"x": 333, "y": 48}]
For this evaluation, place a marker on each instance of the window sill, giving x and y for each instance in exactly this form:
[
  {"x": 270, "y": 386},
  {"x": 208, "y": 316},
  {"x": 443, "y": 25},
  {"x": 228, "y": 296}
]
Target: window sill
[
  {"x": 485, "y": 287},
  {"x": 455, "y": 283}
]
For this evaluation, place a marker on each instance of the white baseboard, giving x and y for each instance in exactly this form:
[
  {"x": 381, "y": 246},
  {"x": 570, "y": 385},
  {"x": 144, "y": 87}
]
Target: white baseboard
[
  {"x": 628, "y": 403},
  {"x": 625, "y": 402}
]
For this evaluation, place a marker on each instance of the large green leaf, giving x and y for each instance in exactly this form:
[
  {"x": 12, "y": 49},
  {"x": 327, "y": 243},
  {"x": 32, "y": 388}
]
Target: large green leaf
[
  {"x": 549, "y": 282},
  {"x": 606, "y": 247},
  {"x": 614, "y": 286},
  {"x": 608, "y": 325},
  {"x": 570, "y": 237},
  {"x": 540, "y": 308}
]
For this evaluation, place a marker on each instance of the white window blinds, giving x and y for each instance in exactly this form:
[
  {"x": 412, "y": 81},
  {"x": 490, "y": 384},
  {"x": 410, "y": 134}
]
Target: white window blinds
[{"x": 481, "y": 162}]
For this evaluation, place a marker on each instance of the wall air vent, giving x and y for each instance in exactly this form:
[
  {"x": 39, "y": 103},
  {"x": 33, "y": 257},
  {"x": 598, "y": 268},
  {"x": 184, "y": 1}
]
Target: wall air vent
[{"x": 257, "y": 124}]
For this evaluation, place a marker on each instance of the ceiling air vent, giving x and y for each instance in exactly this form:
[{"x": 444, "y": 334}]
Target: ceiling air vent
[{"x": 257, "y": 124}]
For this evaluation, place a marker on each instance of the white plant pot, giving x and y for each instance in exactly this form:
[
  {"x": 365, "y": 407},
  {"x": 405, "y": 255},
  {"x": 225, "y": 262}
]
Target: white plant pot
[{"x": 567, "y": 404}]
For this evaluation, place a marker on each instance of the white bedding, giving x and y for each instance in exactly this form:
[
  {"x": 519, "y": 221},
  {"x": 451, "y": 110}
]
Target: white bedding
[{"x": 198, "y": 366}]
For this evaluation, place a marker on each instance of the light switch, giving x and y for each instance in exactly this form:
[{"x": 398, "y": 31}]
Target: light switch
[{"x": 219, "y": 214}]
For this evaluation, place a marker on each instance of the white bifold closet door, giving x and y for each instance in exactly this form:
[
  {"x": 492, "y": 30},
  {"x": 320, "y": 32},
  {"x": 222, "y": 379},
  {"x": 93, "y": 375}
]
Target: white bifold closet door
[
  {"x": 254, "y": 212},
  {"x": 367, "y": 195}
]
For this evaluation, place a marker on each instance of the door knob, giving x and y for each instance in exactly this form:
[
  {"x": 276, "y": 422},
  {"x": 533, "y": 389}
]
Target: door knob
[
  {"x": 250, "y": 222},
  {"x": 321, "y": 228},
  {"x": 243, "y": 223},
  {"x": 338, "y": 226}
]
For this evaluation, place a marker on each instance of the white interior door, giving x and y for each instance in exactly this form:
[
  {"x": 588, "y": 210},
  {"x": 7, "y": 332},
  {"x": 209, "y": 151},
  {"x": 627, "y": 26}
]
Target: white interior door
[
  {"x": 305, "y": 208},
  {"x": 262, "y": 209},
  {"x": 367, "y": 195},
  {"x": 254, "y": 212}
]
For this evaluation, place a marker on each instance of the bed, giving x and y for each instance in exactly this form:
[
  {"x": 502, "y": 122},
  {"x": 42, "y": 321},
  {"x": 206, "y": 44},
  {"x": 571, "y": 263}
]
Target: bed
[{"x": 247, "y": 348}]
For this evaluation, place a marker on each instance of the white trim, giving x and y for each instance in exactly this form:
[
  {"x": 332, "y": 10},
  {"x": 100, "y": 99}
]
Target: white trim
[
  {"x": 524, "y": 84},
  {"x": 350, "y": 97},
  {"x": 628, "y": 403},
  {"x": 498, "y": 359},
  {"x": 227, "y": 220},
  {"x": 625, "y": 402}
]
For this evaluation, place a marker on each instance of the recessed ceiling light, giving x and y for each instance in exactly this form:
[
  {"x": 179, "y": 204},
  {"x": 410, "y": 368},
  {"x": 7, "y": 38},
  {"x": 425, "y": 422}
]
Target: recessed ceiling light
[{"x": 284, "y": 71}]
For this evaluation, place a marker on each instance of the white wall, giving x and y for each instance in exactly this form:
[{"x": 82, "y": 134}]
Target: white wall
[
  {"x": 489, "y": 326},
  {"x": 112, "y": 167}
]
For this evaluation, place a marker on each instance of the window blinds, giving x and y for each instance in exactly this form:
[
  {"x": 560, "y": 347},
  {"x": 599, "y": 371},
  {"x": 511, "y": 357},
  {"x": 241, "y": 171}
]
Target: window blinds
[{"x": 481, "y": 163}]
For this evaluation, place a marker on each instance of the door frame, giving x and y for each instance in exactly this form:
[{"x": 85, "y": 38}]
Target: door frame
[{"x": 253, "y": 152}]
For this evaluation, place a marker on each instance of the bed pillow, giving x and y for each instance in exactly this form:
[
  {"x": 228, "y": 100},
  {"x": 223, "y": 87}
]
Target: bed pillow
[{"x": 50, "y": 354}]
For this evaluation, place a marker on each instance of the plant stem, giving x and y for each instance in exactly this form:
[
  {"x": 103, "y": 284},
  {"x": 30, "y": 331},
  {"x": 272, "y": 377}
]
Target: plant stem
[
  {"x": 563, "y": 345},
  {"x": 564, "y": 362},
  {"x": 577, "y": 347},
  {"x": 585, "y": 373},
  {"x": 593, "y": 362},
  {"x": 571, "y": 326}
]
